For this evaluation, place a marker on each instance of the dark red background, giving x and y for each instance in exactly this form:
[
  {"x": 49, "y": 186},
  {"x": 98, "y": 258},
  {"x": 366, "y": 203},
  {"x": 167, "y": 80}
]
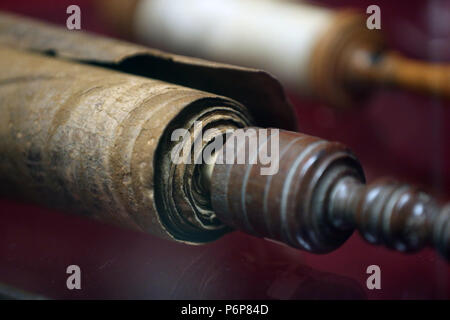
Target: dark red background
[{"x": 394, "y": 133}]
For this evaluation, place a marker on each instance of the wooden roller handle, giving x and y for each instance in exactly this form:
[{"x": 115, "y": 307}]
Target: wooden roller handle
[{"x": 396, "y": 70}]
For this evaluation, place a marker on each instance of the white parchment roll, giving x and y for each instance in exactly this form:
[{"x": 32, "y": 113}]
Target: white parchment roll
[{"x": 276, "y": 36}]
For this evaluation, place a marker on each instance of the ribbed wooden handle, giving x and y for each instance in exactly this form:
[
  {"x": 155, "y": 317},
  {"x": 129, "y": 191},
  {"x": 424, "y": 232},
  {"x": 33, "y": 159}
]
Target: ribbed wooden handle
[
  {"x": 319, "y": 196},
  {"x": 396, "y": 215}
]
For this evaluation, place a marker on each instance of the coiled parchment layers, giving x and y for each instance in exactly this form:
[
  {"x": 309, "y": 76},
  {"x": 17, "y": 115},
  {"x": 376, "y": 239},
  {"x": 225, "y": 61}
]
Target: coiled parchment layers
[{"x": 86, "y": 139}]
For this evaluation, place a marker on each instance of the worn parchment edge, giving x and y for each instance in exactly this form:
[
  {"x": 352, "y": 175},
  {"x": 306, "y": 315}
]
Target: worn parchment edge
[{"x": 260, "y": 92}]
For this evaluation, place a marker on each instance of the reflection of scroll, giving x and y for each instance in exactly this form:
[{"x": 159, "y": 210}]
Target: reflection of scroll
[
  {"x": 121, "y": 264},
  {"x": 11, "y": 293},
  {"x": 245, "y": 268}
]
